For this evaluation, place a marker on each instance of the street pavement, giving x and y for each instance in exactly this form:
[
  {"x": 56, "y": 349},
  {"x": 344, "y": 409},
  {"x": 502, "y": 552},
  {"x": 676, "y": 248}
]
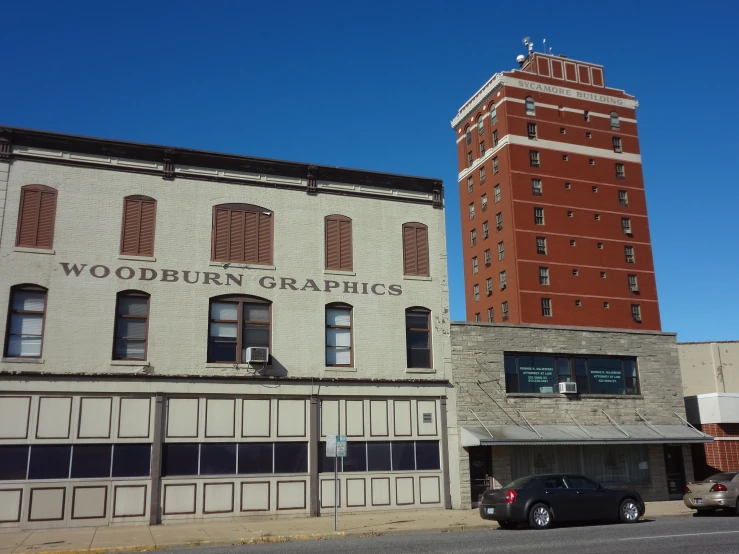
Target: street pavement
[
  {"x": 715, "y": 535},
  {"x": 252, "y": 531}
]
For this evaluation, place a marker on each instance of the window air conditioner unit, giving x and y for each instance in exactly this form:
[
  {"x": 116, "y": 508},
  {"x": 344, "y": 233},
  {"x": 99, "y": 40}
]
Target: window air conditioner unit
[
  {"x": 502, "y": 287},
  {"x": 487, "y": 264},
  {"x": 568, "y": 388},
  {"x": 257, "y": 355},
  {"x": 489, "y": 292},
  {"x": 499, "y": 227}
]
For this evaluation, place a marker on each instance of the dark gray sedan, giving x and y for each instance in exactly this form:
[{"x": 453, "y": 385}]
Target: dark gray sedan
[{"x": 543, "y": 500}]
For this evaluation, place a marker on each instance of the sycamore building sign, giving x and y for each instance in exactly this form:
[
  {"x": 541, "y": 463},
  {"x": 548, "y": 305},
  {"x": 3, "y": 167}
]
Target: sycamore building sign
[
  {"x": 571, "y": 93},
  {"x": 127, "y": 273}
]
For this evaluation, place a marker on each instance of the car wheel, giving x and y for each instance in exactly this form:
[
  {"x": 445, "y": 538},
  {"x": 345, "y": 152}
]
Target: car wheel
[
  {"x": 629, "y": 511},
  {"x": 507, "y": 524},
  {"x": 736, "y": 508},
  {"x": 540, "y": 517}
]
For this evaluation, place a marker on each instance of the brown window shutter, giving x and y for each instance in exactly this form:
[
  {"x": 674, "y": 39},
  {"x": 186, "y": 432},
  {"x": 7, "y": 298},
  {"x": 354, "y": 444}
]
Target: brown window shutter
[
  {"x": 345, "y": 241},
  {"x": 251, "y": 236},
  {"x": 139, "y": 220},
  {"x": 220, "y": 235},
  {"x": 415, "y": 249},
  {"x": 265, "y": 239},
  {"x": 333, "y": 244},
  {"x": 409, "y": 251},
  {"x": 131, "y": 219},
  {"x": 36, "y": 217},
  {"x": 422, "y": 251},
  {"x": 338, "y": 243},
  {"x": 236, "y": 236},
  {"x": 242, "y": 233},
  {"x": 146, "y": 229}
]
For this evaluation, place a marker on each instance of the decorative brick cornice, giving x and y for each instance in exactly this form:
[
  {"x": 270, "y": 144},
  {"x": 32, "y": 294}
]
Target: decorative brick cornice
[
  {"x": 312, "y": 180},
  {"x": 6, "y": 144},
  {"x": 495, "y": 82},
  {"x": 436, "y": 195},
  {"x": 169, "y": 159}
]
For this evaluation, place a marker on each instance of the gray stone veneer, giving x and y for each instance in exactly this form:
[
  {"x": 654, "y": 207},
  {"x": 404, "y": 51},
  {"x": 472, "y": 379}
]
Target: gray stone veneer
[{"x": 479, "y": 379}]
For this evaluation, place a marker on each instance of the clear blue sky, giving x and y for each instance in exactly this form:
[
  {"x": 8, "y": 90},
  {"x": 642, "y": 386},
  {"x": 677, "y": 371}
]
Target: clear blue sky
[{"x": 374, "y": 85}]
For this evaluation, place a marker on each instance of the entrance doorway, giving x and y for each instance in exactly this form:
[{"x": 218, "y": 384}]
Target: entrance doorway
[
  {"x": 481, "y": 467},
  {"x": 675, "y": 469}
]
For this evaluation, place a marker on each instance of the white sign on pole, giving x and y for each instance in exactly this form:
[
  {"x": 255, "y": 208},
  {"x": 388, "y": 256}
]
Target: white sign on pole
[{"x": 336, "y": 446}]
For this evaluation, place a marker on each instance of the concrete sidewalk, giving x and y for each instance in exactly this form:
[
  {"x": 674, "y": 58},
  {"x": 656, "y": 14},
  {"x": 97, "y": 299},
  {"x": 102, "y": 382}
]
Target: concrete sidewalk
[{"x": 244, "y": 531}]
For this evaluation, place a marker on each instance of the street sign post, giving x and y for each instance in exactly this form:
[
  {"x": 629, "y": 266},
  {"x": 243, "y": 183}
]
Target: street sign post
[{"x": 336, "y": 448}]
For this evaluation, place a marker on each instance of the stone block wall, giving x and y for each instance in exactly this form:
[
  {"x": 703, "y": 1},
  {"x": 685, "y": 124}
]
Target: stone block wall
[{"x": 478, "y": 376}]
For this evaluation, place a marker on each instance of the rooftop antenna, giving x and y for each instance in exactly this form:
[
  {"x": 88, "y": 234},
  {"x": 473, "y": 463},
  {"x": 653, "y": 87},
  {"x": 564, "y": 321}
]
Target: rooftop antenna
[
  {"x": 527, "y": 42},
  {"x": 544, "y": 45}
]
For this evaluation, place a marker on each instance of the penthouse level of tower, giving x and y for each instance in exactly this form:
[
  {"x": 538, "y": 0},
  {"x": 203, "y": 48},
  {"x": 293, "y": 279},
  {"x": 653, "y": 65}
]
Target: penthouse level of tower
[{"x": 553, "y": 209}]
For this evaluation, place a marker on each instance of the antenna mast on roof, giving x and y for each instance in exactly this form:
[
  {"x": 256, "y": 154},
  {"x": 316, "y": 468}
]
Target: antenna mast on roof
[{"x": 527, "y": 42}]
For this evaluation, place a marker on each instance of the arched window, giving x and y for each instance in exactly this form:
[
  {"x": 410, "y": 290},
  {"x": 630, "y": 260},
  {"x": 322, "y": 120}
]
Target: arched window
[
  {"x": 338, "y": 230},
  {"x": 36, "y": 217},
  {"x": 242, "y": 233},
  {"x": 131, "y": 325},
  {"x": 530, "y": 106},
  {"x": 25, "y": 327},
  {"x": 236, "y": 323},
  {"x": 339, "y": 340},
  {"x": 493, "y": 114},
  {"x": 615, "y": 123},
  {"x": 480, "y": 127},
  {"x": 137, "y": 230},
  {"x": 415, "y": 249},
  {"x": 418, "y": 337},
  {"x": 468, "y": 135}
]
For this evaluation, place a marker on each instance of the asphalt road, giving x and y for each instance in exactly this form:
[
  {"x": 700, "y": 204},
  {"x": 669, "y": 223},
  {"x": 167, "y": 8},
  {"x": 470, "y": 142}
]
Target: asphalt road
[{"x": 670, "y": 535}]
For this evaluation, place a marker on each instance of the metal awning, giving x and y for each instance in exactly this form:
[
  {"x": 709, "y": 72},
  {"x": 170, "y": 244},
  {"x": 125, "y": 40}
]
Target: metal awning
[{"x": 510, "y": 435}]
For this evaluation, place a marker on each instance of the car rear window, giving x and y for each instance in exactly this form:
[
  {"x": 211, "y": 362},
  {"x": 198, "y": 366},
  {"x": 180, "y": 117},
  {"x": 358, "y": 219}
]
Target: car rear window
[
  {"x": 519, "y": 483},
  {"x": 721, "y": 477}
]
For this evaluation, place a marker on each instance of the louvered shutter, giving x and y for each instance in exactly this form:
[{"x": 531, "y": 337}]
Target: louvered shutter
[
  {"x": 36, "y": 217},
  {"x": 220, "y": 235},
  {"x": 345, "y": 241},
  {"x": 409, "y": 251},
  {"x": 242, "y": 233},
  {"x": 251, "y": 236},
  {"x": 422, "y": 251},
  {"x": 139, "y": 220},
  {"x": 415, "y": 249},
  {"x": 333, "y": 244},
  {"x": 28, "y": 218},
  {"x": 131, "y": 221},
  {"x": 146, "y": 228},
  {"x": 45, "y": 233},
  {"x": 236, "y": 236},
  {"x": 265, "y": 239}
]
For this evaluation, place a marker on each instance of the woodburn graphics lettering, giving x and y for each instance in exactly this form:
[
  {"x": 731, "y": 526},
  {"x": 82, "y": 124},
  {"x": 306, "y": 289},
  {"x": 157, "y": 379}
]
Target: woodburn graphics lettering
[{"x": 127, "y": 273}]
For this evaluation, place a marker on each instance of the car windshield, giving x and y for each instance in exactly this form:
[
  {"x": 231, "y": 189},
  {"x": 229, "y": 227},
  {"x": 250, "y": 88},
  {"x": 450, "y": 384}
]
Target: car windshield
[
  {"x": 721, "y": 477},
  {"x": 519, "y": 483}
]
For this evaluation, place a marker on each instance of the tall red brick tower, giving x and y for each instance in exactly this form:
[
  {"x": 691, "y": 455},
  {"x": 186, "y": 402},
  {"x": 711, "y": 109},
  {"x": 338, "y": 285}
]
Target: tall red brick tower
[{"x": 554, "y": 215}]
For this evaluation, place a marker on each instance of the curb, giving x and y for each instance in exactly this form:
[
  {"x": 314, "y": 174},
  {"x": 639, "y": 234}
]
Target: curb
[{"x": 269, "y": 539}]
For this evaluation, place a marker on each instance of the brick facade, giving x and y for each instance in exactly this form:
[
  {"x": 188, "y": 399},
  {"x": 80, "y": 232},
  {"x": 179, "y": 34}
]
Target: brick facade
[{"x": 720, "y": 455}]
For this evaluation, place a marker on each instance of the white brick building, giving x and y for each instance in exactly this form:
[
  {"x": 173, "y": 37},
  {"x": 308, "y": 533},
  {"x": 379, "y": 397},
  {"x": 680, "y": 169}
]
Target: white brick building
[{"x": 125, "y": 357}]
